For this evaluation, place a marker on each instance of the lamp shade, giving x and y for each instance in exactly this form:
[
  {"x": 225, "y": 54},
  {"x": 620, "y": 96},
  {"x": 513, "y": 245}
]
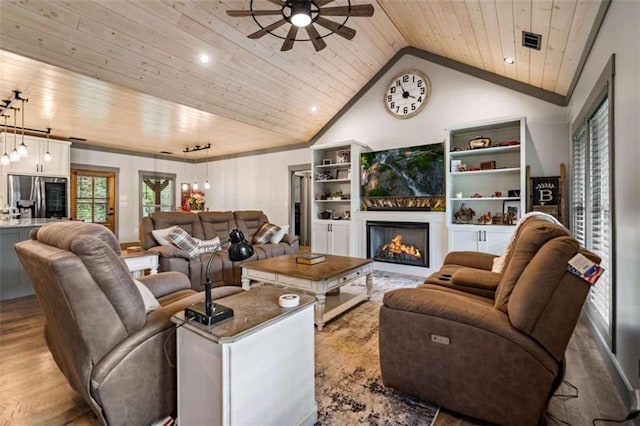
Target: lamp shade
[{"x": 240, "y": 248}]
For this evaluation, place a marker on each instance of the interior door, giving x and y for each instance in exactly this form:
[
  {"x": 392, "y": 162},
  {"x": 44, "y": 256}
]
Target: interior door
[{"x": 93, "y": 197}]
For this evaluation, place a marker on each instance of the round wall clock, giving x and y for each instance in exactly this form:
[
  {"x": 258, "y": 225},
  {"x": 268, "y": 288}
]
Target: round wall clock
[{"x": 407, "y": 93}]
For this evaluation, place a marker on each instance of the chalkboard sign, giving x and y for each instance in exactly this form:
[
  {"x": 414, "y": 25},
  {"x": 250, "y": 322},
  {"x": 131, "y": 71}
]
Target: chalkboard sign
[{"x": 545, "y": 191}]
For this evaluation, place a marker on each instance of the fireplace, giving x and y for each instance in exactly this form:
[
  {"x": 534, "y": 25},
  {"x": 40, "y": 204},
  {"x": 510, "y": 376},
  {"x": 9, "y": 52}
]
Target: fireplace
[{"x": 404, "y": 243}]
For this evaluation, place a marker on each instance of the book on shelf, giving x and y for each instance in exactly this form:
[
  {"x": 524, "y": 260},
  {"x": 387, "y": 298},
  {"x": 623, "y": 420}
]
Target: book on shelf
[{"x": 310, "y": 259}]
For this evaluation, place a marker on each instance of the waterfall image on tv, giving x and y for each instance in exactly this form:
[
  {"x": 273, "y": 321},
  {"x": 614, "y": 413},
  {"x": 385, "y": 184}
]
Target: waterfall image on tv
[{"x": 403, "y": 178}]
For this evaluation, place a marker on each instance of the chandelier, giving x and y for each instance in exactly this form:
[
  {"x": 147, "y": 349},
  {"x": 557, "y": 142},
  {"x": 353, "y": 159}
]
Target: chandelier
[{"x": 20, "y": 150}]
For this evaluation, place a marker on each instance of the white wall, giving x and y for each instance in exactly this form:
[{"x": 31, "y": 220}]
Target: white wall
[
  {"x": 249, "y": 183},
  {"x": 128, "y": 206},
  {"x": 259, "y": 182},
  {"x": 620, "y": 34},
  {"x": 456, "y": 98}
]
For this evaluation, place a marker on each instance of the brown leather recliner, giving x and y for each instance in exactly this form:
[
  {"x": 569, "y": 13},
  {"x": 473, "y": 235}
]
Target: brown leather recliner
[
  {"x": 493, "y": 351},
  {"x": 96, "y": 326}
]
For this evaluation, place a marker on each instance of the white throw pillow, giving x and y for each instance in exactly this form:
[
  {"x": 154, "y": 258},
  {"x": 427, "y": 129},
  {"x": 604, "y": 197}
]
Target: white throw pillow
[
  {"x": 150, "y": 302},
  {"x": 278, "y": 236},
  {"x": 162, "y": 235}
]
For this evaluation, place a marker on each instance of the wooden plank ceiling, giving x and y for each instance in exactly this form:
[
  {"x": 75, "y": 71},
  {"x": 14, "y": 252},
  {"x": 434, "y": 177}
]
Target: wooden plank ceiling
[{"x": 127, "y": 74}]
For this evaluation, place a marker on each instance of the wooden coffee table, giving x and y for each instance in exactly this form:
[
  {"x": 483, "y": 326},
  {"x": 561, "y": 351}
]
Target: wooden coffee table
[{"x": 318, "y": 279}]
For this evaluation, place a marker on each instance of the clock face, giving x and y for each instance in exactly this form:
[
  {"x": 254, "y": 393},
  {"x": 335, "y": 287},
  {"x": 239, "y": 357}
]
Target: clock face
[{"x": 407, "y": 94}]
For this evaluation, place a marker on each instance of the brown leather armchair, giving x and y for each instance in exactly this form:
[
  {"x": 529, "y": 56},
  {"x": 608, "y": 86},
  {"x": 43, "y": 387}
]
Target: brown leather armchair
[
  {"x": 96, "y": 326},
  {"x": 491, "y": 349}
]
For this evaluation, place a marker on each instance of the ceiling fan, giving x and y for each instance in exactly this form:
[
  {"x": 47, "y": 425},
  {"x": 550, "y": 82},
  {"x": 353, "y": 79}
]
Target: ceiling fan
[{"x": 303, "y": 14}]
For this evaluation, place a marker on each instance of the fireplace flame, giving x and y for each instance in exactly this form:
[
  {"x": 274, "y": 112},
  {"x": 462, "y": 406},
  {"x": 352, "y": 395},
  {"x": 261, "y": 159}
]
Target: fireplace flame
[{"x": 397, "y": 247}]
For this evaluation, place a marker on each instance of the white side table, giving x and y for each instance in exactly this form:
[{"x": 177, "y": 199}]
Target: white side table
[
  {"x": 256, "y": 368},
  {"x": 138, "y": 261}
]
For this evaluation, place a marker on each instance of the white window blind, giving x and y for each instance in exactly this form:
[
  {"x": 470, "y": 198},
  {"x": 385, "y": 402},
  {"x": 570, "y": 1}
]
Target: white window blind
[
  {"x": 591, "y": 202},
  {"x": 579, "y": 180},
  {"x": 598, "y": 236}
]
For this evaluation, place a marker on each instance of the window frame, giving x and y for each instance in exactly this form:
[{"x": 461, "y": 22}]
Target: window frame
[
  {"x": 603, "y": 90},
  {"x": 144, "y": 174}
]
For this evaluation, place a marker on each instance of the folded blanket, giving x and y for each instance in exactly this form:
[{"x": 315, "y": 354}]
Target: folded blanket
[{"x": 499, "y": 262}]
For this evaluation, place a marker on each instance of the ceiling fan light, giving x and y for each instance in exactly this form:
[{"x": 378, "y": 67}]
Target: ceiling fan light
[{"x": 301, "y": 14}]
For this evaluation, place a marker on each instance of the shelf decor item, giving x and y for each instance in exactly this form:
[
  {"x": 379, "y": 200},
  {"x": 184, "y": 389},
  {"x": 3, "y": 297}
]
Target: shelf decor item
[
  {"x": 343, "y": 156},
  {"x": 479, "y": 142},
  {"x": 511, "y": 211},
  {"x": 343, "y": 174},
  {"x": 464, "y": 214}
]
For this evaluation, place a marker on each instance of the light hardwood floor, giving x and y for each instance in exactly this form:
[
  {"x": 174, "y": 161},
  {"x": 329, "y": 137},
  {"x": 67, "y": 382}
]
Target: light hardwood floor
[{"x": 34, "y": 392}]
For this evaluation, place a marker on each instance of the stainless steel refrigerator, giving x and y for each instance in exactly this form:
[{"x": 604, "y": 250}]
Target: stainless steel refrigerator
[{"x": 38, "y": 196}]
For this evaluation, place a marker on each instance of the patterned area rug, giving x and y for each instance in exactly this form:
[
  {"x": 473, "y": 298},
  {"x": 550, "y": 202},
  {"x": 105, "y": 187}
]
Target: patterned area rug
[{"x": 349, "y": 388}]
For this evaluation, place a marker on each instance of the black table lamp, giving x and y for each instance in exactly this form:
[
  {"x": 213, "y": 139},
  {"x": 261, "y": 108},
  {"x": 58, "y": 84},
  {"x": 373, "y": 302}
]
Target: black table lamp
[{"x": 207, "y": 313}]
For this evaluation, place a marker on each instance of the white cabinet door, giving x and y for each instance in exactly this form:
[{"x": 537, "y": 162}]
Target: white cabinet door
[
  {"x": 339, "y": 243},
  {"x": 29, "y": 164},
  {"x": 488, "y": 239},
  {"x": 34, "y": 162},
  {"x": 464, "y": 240},
  {"x": 59, "y": 164},
  {"x": 330, "y": 238},
  {"x": 496, "y": 240},
  {"x": 320, "y": 237}
]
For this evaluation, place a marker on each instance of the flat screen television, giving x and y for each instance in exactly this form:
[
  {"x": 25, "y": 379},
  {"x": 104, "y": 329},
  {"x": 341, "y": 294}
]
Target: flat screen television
[{"x": 411, "y": 178}]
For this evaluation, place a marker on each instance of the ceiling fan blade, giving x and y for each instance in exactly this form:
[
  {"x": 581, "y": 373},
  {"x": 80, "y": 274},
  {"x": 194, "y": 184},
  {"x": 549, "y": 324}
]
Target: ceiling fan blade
[
  {"x": 237, "y": 13},
  {"x": 291, "y": 38},
  {"x": 357, "y": 10},
  {"x": 341, "y": 30},
  {"x": 276, "y": 2},
  {"x": 266, "y": 30},
  {"x": 321, "y": 3},
  {"x": 316, "y": 40}
]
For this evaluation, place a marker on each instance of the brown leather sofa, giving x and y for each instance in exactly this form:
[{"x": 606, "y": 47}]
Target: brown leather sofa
[
  {"x": 96, "y": 326},
  {"x": 205, "y": 226},
  {"x": 488, "y": 345}
]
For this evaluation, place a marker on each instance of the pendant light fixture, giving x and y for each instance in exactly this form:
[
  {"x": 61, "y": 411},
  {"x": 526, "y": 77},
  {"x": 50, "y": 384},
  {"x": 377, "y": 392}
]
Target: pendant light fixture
[
  {"x": 4, "y": 160},
  {"x": 22, "y": 148},
  {"x": 14, "y": 156},
  {"x": 185, "y": 185},
  {"x": 47, "y": 155},
  {"x": 206, "y": 182},
  {"x": 195, "y": 178}
]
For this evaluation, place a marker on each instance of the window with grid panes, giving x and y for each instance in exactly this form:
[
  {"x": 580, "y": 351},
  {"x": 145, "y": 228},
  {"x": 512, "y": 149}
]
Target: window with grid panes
[{"x": 157, "y": 192}]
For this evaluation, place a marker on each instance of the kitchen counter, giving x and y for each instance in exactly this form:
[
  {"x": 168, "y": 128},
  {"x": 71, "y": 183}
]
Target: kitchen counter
[
  {"x": 22, "y": 223},
  {"x": 14, "y": 281}
]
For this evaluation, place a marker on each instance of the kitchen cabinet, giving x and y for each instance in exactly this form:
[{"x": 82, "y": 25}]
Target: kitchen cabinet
[
  {"x": 34, "y": 164},
  {"x": 331, "y": 237}
]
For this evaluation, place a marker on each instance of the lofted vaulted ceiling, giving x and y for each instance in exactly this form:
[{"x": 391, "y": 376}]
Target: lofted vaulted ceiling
[{"x": 127, "y": 74}]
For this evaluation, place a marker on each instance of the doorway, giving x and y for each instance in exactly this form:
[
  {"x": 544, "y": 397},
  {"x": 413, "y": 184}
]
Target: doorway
[
  {"x": 93, "y": 197},
  {"x": 300, "y": 202}
]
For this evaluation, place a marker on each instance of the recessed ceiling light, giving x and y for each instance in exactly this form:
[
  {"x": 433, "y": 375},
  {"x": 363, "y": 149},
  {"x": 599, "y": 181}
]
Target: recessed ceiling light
[
  {"x": 509, "y": 61},
  {"x": 204, "y": 58},
  {"x": 314, "y": 108}
]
